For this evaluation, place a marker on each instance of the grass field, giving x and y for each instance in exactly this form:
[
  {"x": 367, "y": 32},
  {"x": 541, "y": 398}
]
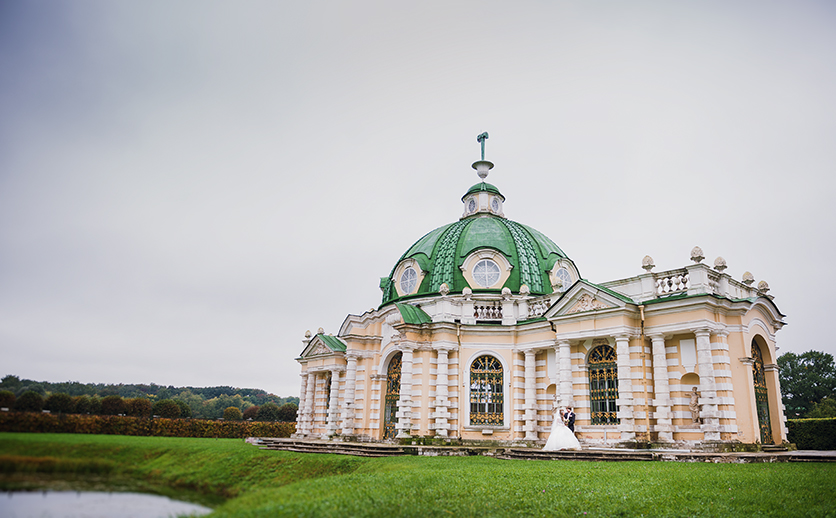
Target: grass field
[{"x": 239, "y": 480}]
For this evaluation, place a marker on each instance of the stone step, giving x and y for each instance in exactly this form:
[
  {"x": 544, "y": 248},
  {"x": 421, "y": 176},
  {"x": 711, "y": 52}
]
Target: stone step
[{"x": 589, "y": 455}]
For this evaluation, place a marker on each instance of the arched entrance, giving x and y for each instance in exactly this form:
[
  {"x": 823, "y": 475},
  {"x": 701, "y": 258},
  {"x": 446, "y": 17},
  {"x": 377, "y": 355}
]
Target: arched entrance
[
  {"x": 603, "y": 385},
  {"x": 761, "y": 394},
  {"x": 393, "y": 393}
]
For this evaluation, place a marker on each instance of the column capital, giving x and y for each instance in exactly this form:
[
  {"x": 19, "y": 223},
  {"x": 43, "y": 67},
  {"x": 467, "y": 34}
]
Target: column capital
[
  {"x": 702, "y": 331},
  {"x": 407, "y": 347},
  {"x": 444, "y": 347},
  {"x": 656, "y": 336},
  {"x": 620, "y": 337},
  {"x": 720, "y": 333}
]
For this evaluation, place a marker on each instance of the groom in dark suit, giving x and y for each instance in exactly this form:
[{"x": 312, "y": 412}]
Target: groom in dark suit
[{"x": 570, "y": 419}]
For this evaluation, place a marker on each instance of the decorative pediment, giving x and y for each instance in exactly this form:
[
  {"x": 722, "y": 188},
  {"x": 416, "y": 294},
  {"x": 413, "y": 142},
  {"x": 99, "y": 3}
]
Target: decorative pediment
[
  {"x": 322, "y": 344},
  {"x": 584, "y": 297},
  {"x": 587, "y": 302}
]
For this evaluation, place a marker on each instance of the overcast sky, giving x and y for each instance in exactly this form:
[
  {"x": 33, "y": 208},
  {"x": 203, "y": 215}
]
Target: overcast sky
[{"x": 187, "y": 187}]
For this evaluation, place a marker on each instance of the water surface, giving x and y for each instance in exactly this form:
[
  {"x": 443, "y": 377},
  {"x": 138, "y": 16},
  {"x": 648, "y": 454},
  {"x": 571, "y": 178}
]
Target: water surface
[{"x": 93, "y": 504}]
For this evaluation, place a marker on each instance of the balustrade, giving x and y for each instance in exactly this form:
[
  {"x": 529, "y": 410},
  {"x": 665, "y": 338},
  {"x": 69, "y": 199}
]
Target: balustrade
[
  {"x": 487, "y": 311},
  {"x": 672, "y": 282}
]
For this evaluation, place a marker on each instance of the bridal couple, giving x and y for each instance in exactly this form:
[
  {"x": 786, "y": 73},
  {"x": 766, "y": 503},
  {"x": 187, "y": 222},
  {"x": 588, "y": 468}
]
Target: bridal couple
[{"x": 562, "y": 436}]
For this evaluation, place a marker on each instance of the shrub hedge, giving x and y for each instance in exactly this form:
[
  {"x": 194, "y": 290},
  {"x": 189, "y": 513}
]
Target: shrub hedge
[
  {"x": 121, "y": 425},
  {"x": 812, "y": 434}
]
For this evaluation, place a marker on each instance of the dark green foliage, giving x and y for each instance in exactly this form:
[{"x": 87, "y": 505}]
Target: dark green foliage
[
  {"x": 203, "y": 402},
  {"x": 185, "y": 411},
  {"x": 806, "y": 379},
  {"x": 232, "y": 414},
  {"x": 251, "y": 412},
  {"x": 823, "y": 409},
  {"x": 287, "y": 412},
  {"x": 812, "y": 434},
  {"x": 81, "y": 405},
  {"x": 268, "y": 412},
  {"x": 7, "y": 399},
  {"x": 31, "y": 422},
  {"x": 59, "y": 404},
  {"x": 138, "y": 407},
  {"x": 167, "y": 408},
  {"x": 113, "y": 405},
  {"x": 29, "y": 401}
]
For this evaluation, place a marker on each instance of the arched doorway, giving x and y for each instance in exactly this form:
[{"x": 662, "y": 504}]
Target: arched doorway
[
  {"x": 761, "y": 394},
  {"x": 486, "y": 398},
  {"x": 393, "y": 394},
  {"x": 603, "y": 385}
]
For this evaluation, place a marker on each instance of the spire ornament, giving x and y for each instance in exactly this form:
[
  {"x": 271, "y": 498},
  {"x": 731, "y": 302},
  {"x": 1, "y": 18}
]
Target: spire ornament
[{"x": 482, "y": 166}]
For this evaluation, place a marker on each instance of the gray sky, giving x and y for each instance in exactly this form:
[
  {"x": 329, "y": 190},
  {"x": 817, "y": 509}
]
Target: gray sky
[{"x": 186, "y": 187}]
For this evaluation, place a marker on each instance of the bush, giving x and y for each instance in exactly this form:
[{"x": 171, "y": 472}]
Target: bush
[
  {"x": 251, "y": 412},
  {"x": 30, "y": 401},
  {"x": 7, "y": 398},
  {"x": 138, "y": 407},
  {"x": 185, "y": 409},
  {"x": 812, "y": 434},
  {"x": 120, "y": 425},
  {"x": 81, "y": 405},
  {"x": 287, "y": 412},
  {"x": 268, "y": 412},
  {"x": 823, "y": 409},
  {"x": 95, "y": 405},
  {"x": 167, "y": 408},
  {"x": 59, "y": 404},
  {"x": 232, "y": 413},
  {"x": 112, "y": 405}
]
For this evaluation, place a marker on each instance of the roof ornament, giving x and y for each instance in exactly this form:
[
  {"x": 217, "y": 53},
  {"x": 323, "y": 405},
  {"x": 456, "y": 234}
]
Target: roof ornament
[{"x": 482, "y": 166}]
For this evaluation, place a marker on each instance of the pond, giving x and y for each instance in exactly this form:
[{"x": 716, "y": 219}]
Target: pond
[{"x": 93, "y": 504}]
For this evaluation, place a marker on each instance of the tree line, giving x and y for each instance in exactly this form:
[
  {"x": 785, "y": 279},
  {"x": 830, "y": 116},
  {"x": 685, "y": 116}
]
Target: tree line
[
  {"x": 145, "y": 400},
  {"x": 808, "y": 384}
]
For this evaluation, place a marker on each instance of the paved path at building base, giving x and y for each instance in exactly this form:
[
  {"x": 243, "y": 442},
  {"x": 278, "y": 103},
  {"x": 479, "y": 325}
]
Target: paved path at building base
[{"x": 501, "y": 452}]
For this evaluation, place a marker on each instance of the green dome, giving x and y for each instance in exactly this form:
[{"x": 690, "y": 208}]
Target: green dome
[
  {"x": 441, "y": 253},
  {"x": 483, "y": 187}
]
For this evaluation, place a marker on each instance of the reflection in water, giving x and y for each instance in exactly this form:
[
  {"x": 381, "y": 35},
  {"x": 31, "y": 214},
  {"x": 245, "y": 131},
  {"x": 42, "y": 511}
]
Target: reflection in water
[{"x": 91, "y": 504}]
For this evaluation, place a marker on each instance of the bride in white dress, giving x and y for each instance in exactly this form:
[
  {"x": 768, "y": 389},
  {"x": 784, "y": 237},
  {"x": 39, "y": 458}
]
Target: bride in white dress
[{"x": 561, "y": 437}]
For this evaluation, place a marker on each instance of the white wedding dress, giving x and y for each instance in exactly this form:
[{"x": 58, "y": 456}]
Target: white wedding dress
[{"x": 561, "y": 438}]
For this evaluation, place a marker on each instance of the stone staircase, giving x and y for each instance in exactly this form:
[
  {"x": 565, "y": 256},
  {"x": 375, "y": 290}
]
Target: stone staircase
[
  {"x": 339, "y": 448},
  {"x": 589, "y": 455}
]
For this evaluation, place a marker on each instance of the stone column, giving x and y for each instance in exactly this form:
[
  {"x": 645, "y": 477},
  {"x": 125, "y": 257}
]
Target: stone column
[
  {"x": 350, "y": 386},
  {"x": 441, "y": 402},
  {"x": 708, "y": 390},
  {"x": 307, "y": 428},
  {"x": 333, "y": 405},
  {"x": 404, "y": 414},
  {"x": 300, "y": 415},
  {"x": 627, "y": 425},
  {"x": 530, "y": 396},
  {"x": 661, "y": 390},
  {"x": 564, "y": 361}
]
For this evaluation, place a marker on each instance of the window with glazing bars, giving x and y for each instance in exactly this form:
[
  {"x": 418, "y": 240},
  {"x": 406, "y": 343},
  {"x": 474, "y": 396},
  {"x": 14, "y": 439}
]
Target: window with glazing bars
[
  {"x": 486, "y": 396},
  {"x": 603, "y": 385}
]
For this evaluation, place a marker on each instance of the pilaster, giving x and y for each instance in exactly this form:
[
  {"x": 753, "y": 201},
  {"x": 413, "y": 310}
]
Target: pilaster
[
  {"x": 661, "y": 390},
  {"x": 626, "y": 411}
]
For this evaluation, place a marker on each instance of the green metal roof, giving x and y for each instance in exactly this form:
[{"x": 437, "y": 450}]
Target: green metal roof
[
  {"x": 615, "y": 294},
  {"x": 333, "y": 343},
  {"x": 483, "y": 187},
  {"x": 413, "y": 314},
  {"x": 442, "y": 251}
]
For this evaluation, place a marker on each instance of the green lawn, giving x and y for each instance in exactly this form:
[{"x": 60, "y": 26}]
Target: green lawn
[{"x": 239, "y": 480}]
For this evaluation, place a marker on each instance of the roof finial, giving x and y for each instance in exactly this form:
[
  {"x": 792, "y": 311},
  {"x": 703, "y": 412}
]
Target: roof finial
[
  {"x": 482, "y": 166},
  {"x": 481, "y": 139}
]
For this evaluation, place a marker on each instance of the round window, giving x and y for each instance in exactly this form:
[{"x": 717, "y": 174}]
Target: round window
[
  {"x": 495, "y": 204},
  {"x": 564, "y": 277},
  {"x": 408, "y": 280},
  {"x": 486, "y": 273},
  {"x": 471, "y": 205}
]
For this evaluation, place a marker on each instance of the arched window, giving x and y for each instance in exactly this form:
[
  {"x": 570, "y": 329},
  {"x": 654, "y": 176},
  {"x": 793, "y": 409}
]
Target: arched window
[
  {"x": 486, "y": 398},
  {"x": 603, "y": 385},
  {"x": 761, "y": 394},
  {"x": 393, "y": 394}
]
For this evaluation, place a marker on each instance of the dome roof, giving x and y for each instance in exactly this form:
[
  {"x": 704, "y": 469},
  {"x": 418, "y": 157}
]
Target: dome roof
[
  {"x": 441, "y": 254},
  {"x": 483, "y": 187}
]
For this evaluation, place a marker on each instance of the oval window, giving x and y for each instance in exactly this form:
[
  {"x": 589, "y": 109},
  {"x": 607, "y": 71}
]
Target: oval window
[
  {"x": 495, "y": 205},
  {"x": 471, "y": 205},
  {"x": 486, "y": 273},
  {"x": 564, "y": 277},
  {"x": 408, "y": 280}
]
